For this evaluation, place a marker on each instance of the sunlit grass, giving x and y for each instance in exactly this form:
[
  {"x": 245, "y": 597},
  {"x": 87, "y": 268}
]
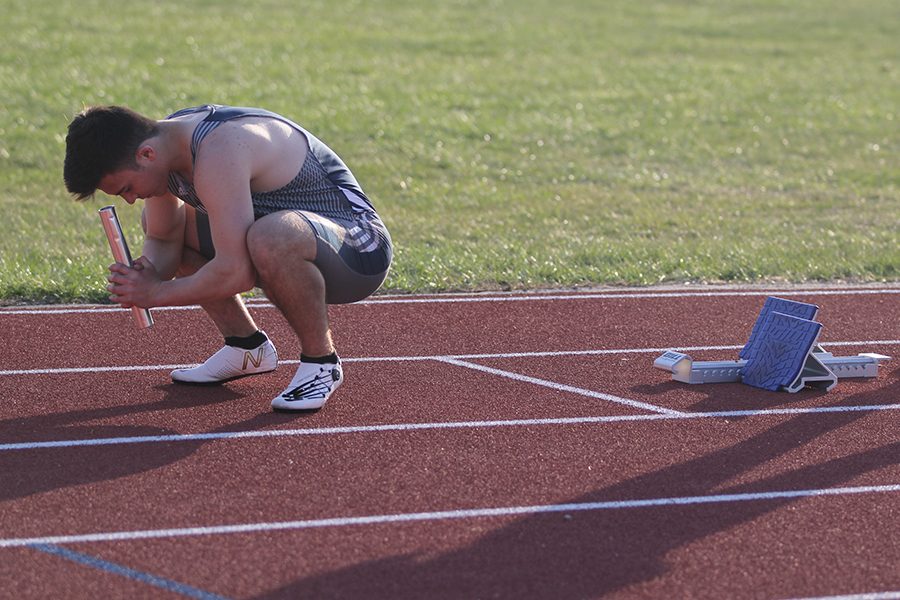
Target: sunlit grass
[{"x": 507, "y": 144}]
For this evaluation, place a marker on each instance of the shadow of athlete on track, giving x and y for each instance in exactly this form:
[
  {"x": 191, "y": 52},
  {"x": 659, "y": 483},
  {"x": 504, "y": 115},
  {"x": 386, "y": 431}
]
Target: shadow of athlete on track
[
  {"x": 728, "y": 396},
  {"x": 592, "y": 553},
  {"x": 32, "y": 471}
]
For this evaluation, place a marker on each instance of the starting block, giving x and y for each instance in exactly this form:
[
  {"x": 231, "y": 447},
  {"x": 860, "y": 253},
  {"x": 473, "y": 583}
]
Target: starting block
[{"x": 782, "y": 354}]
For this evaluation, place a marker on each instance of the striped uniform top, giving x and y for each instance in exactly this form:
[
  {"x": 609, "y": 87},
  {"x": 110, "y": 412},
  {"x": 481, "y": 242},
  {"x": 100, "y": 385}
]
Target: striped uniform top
[{"x": 324, "y": 185}]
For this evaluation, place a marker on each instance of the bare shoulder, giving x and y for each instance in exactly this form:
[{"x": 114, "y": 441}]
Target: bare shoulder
[
  {"x": 248, "y": 134},
  {"x": 226, "y": 153},
  {"x": 264, "y": 152}
]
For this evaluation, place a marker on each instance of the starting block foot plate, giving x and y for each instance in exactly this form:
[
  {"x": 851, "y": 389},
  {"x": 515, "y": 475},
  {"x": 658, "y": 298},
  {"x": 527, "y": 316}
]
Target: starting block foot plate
[{"x": 781, "y": 354}]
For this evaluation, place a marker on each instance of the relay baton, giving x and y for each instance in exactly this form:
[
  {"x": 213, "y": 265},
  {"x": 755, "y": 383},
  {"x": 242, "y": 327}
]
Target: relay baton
[{"x": 119, "y": 248}]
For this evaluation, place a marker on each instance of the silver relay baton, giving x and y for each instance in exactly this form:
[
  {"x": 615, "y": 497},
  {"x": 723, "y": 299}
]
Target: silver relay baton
[{"x": 119, "y": 248}]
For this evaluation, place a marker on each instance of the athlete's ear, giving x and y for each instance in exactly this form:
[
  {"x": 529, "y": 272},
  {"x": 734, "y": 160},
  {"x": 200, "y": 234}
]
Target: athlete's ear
[{"x": 145, "y": 152}]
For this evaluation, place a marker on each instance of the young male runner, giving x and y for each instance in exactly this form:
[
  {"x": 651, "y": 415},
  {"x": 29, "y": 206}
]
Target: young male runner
[{"x": 236, "y": 197}]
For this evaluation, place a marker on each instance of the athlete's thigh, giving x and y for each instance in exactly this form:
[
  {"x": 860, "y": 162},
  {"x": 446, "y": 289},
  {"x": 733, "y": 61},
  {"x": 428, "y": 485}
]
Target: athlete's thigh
[
  {"x": 283, "y": 233},
  {"x": 352, "y": 255}
]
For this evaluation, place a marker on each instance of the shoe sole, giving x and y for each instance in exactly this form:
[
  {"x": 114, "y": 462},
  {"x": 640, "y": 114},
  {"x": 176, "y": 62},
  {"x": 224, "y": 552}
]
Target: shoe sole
[
  {"x": 295, "y": 411},
  {"x": 218, "y": 381}
]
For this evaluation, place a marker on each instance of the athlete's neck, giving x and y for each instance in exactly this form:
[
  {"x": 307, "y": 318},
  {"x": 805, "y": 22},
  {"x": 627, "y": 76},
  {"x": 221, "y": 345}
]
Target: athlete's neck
[{"x": 175, "y": 146}]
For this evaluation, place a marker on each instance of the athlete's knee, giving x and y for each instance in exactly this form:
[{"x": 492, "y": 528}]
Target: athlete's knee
[{"x": 262, "y": 242}]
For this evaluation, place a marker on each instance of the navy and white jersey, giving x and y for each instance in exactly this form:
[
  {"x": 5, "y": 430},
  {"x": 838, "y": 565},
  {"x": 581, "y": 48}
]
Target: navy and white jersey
[{"x": 323, "y": 185}]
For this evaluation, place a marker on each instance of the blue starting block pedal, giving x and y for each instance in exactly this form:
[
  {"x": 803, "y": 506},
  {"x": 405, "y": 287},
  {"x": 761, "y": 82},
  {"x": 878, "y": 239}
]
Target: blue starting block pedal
[
  {"x": 801, "y": 310},
  {"x": 782, "y": 356},
  {"x": 782, "y": 353}
]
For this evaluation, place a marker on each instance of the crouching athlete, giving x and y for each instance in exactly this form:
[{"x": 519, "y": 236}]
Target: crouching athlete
[{"x": 236, "y": 198}]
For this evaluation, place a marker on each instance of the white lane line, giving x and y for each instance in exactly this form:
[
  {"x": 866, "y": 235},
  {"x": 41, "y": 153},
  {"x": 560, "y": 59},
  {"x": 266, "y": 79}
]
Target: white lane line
[
  {"x": 633, "y": 295},
  {"x": 365, "y": 359},
  {"x": 864, "y": 596},
  {"x": 451, "y": 298},
  {"x": 75, "y": 370},
  {"x": 559, "y": 386},
  {"x": 357, "y": 429},
  {"x": 473, "y": 513},
  {"x": 89, "y": 310}
]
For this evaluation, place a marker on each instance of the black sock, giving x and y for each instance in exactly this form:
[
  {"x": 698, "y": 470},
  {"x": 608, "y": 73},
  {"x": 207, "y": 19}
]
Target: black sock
[
  {"x": 322, "y": 360},
  {"x": 247, "y": 343}
]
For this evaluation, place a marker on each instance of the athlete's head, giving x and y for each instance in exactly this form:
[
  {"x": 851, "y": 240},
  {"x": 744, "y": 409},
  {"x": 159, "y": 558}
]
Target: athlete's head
[{"x": 103, "y": 140}]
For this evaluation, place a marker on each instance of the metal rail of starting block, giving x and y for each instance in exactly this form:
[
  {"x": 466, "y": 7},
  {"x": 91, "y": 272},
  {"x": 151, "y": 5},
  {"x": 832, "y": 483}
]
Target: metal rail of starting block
[{"x": 686, "y": 370}]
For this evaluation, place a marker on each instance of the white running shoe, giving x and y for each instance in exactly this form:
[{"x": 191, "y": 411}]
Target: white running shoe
[
  {"x": 230, "y": 363},
  {"x": 311, "y": 387}
]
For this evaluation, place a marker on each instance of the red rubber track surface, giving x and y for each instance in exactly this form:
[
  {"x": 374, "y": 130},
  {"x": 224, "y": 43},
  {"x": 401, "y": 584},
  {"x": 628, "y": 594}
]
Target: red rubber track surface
[{"x": 544, "y": 407}]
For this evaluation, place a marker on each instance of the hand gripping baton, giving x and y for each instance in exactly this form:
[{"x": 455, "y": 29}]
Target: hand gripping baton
[{"x": 120, "y": 252}]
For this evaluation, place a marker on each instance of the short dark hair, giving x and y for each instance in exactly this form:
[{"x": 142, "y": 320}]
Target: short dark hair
[{"x": 102, "y": 140}]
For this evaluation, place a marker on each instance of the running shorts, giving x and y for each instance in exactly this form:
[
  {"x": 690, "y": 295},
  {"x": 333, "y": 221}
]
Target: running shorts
[{"x": 353, "y": 255}]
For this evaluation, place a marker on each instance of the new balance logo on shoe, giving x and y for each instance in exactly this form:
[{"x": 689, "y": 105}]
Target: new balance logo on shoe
[{"x": 248, "y": 357}]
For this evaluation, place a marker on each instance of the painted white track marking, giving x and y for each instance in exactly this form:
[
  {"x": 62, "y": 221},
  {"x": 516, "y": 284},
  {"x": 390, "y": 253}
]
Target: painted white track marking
[
  {"x": 864, "y": 596},
  {"x": 474, "y": 513},
  {"x": 362, "y": 429},
  {"x": 493, "y": 297},
  {"x": 437, "y": 357},
  {"x": 558, "y": 386}
]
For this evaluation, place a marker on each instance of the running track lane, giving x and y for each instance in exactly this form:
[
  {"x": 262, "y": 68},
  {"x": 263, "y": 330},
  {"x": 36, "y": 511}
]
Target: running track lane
[{"x": 751, "y": 545}]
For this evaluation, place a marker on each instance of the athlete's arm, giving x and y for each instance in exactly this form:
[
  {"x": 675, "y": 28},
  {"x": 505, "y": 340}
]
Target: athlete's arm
[
  {"x": 222, "y": 174},
  {"x": 230, "y": 158}
]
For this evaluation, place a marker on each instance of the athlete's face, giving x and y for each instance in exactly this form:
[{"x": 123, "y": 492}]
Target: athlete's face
[
  {"x": 133, "y": 184},
  {"x": 145, "y": 180}
]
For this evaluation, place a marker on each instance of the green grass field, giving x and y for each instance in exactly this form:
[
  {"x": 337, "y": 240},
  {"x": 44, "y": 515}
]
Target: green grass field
[{"x": 507, "y": 143}]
